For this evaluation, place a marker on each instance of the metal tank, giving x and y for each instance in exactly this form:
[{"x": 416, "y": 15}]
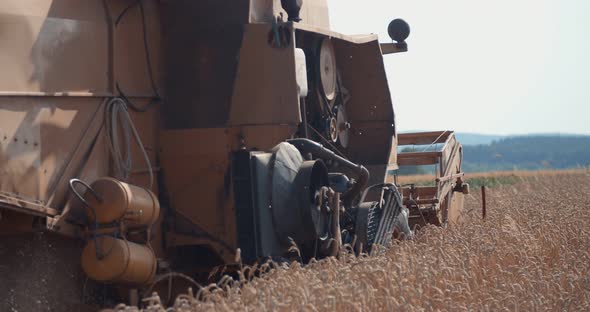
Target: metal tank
[{"x": 177, "y": 136}]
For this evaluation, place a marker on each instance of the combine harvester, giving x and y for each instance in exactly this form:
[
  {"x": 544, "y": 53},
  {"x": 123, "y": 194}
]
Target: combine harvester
[{"x": 145, "y": 138}]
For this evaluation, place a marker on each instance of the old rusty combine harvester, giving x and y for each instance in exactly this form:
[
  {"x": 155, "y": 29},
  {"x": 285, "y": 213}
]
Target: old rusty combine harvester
[
  {"x": 140, "y": 138},
  {"x": 442, "y": 202}
]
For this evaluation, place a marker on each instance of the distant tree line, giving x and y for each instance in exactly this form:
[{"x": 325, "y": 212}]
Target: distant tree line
[
  {"x": 528, "y": 153},
  {"x": 517, "y": 153}
]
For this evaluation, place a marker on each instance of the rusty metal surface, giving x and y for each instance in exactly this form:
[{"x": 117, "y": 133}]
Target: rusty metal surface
[{"x": 39, "y": 140}]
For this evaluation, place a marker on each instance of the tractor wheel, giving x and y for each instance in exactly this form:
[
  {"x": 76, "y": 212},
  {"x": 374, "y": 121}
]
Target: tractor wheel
[{"x": 376, "y": 224}]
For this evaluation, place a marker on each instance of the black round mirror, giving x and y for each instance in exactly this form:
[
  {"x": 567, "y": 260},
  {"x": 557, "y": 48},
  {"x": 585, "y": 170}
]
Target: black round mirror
[{"x": 398, "y": 30}]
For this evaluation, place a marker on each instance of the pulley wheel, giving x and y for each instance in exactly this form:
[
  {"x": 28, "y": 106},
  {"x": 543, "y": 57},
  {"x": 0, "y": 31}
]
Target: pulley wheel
[
  {"x": 327, "y": 69},
  {"x": 307, "y": 201},
  {"x": 333, "y": 129},
  {"x": 343, "y": 126},
  {"x": 296, "y": 201}
]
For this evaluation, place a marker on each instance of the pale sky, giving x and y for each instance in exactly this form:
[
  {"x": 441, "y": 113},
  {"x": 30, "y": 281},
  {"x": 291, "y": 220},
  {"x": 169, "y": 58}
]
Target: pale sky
[{"x": 496, "y": 66}]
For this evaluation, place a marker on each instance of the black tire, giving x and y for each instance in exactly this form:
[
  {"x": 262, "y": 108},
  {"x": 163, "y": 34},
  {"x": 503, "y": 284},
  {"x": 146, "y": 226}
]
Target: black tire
[{"x": 376, "y": 224}]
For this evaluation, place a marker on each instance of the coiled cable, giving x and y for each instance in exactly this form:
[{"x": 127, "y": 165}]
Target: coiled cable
[{"x": 118, "y": 119}]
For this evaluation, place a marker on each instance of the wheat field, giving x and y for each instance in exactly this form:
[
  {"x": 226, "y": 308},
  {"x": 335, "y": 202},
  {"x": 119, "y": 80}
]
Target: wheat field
[
  {"x": 532, "y": 253},
  {"x": 521, "y": 174}
]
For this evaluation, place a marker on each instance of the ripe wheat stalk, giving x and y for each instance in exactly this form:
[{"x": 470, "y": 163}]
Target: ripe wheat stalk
[{"x": 531, "y": 254}]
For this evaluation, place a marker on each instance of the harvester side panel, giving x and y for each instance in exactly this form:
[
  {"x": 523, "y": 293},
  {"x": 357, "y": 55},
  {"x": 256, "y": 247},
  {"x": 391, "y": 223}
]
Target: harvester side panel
[
  {"x": 201, "y": 46},
  {"x": 370, "y": 108},
  {"x": 262, "y": 63}
]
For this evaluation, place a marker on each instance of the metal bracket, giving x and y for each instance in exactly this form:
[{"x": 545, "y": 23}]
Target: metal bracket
[{"x": 390, "y": 48}]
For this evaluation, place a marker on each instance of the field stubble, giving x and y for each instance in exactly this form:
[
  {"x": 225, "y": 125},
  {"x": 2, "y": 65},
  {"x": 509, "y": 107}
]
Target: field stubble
[{"x": 531, "y": 253}]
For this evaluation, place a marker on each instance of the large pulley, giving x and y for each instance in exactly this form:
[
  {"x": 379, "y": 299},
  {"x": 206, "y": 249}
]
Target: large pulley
[
  {"x": 343, "y": 126},
  {"x": 327, "y": 69},
  {"x": 298, "y": 196}
]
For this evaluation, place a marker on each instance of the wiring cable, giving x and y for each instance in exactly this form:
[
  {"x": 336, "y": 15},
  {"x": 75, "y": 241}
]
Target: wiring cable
[
  {"x": 117, "y": 113},
  {"x": 147, "y": 58}
]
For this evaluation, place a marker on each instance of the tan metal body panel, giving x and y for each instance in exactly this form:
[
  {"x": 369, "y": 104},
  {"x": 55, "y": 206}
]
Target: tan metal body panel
[
  {"x": 195, "y": 164},
  {"x": 66, "y": 46},
  {"x": 392, "y": 163},
  {"x": 456, "y": 208},
  {"x": 60, "y": 59},
  {"x": 196, "y": 171},
  {"x": 45, "y": 141},
  {"x": 201, "y": 41},
  {"x": 261, "y": 64},
  {"x": 370, "y": 108},
  {"x": 147, "y": 124},
  {"x": 38, "y": 140},
  {"x": 129, "y": 55},
  {"x": 46, "y": 46},
  {"x": 357, "y": 39}
]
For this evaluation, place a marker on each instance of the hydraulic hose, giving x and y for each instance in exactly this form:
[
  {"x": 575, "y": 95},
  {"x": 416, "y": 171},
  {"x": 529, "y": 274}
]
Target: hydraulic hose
[{"x": 308, "y": 146}]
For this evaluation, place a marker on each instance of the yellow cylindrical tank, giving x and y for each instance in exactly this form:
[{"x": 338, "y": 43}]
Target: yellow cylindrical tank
[
  {"x": 118, "y": 261},
  {"x": 137, "y": 206}
]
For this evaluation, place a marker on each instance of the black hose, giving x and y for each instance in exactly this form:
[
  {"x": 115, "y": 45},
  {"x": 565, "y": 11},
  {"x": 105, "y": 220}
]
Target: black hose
[
  {"x": 147, "y": 58},
  {"x": 309, "y": 146}
]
